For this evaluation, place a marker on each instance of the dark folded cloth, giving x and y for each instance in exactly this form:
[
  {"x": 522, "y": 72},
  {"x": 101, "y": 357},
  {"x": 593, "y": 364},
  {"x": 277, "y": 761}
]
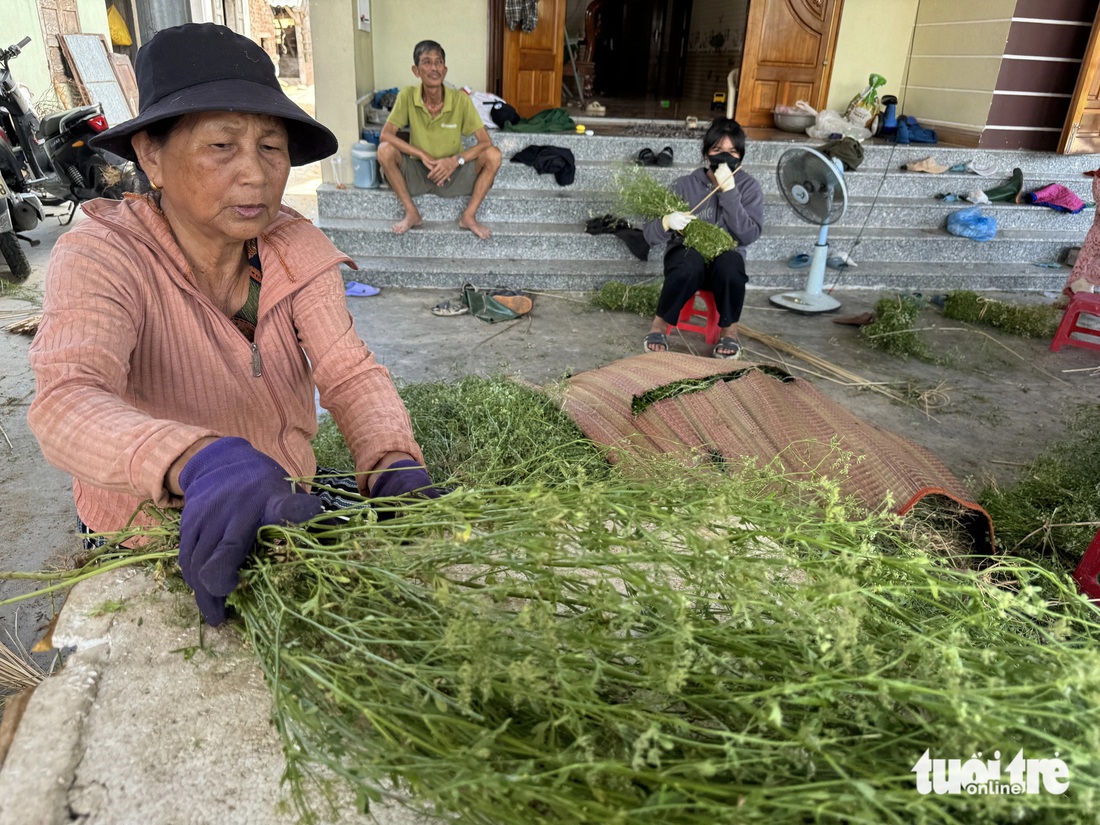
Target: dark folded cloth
[
  {"x": 848, "y": 150},
  {"x": 635, "y": 241},
  {"x": 553, "y": 160},
  {"x": 621, "y": 229},
  {"x": 909, "y": 131}
]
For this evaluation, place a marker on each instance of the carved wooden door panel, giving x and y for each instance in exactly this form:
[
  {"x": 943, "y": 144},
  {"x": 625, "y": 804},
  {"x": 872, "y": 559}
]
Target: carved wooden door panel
[
  {"x": 789, "y": 47},
  {"x": 532, "y": 62},
  {"x": 1081, "y": 133}
]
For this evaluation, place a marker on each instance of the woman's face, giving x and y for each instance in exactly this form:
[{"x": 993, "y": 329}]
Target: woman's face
[
  {"x": 723, "y": 145},
  {"x": 221, "y": 173}
]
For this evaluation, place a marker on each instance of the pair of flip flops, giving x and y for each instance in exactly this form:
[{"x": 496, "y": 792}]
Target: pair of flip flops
[
  {"x": 802, "y": 260},
  {"x": 728, "y": 348},
  {"x": 646, "y": 157}
]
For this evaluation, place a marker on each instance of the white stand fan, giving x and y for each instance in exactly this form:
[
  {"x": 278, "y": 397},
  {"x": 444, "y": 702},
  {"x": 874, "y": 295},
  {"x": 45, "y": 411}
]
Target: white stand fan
[{"x": 813, "y": 186}]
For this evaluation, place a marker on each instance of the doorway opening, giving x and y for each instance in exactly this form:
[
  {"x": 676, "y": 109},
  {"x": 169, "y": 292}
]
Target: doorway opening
[{"x": 652, "y": 59}]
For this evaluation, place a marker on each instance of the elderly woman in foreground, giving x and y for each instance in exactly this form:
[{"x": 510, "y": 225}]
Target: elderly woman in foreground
[{"x": 184, "y": 331}]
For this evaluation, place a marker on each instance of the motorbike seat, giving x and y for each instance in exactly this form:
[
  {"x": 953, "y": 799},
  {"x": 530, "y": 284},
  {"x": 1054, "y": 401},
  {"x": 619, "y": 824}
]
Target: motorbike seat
[{"x": 54, "y": 124}]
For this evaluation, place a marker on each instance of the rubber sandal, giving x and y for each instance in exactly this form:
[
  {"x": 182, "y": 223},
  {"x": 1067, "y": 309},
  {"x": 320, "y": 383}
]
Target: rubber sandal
[
  {"x": 836, "y": 263},
  {"x": 448, "y": 308},
  {"x": 728, "y": 344},
  {"x": 515, "y": 300},
  {"x": 665, "y": 158},
  {"x": 656, "y": 339},
  {"x": 354, "y": 289},
  {"x": 799, "y": 261},
  {"x": 861, "y": 320},
  {"x": 646, "y": 157}
]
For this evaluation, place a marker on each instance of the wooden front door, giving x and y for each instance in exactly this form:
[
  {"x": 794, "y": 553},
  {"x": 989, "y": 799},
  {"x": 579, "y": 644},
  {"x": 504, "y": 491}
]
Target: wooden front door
[
  {"x": 788, "y": 56},
  {"x": 532, "y": 62},
  {"x": 1081, "y": 134}
]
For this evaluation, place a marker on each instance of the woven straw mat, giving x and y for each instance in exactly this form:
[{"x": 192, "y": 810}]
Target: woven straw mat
[{"x": 764, "y": 412}]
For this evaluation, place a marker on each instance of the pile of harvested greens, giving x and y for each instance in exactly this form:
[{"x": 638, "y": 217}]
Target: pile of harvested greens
[
  {"x": 892, "y": 330},
  {"x": 658, "y": 645},
  {"x": 1025, "y": 320},
  {"x": 642, "y": 195},
  {"x": 634, "y": 651}
]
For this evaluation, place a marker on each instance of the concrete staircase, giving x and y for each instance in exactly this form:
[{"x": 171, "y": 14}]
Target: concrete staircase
[{"x": 894, "y": 228}]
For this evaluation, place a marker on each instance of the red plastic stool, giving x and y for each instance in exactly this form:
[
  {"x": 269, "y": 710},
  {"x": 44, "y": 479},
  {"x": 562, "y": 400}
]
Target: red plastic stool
[
  {"x": 688, "y": 315},
  {"x": 1087, "y": 570},
  {"x": 1087, "y": 302}
]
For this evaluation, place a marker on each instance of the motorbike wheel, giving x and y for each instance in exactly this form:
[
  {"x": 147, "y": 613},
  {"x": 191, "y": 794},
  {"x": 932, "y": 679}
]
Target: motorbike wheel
[{"x": 15, "y": 256}]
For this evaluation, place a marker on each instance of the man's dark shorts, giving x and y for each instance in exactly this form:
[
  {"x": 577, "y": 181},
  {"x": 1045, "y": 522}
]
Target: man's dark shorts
[{"x": 416, "y": 178}]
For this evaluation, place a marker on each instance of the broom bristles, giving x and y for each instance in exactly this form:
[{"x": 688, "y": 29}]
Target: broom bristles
[{"x": 16, "y": 672}]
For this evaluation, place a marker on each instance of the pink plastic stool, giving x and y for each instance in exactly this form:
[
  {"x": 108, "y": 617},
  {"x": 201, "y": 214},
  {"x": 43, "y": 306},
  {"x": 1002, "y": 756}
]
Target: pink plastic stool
[
  {"x": 688, "y": 315},
  {"x": 1087, "y": 302},
  {"x": 1087, "y": 570}
]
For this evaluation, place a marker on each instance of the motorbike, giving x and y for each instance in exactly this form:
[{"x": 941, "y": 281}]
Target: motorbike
[{"x": 47, "y": 162}]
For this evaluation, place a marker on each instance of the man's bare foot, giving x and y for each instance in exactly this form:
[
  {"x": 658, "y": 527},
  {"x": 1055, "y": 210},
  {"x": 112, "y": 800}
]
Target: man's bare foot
[
  {"x": 478, "y": 229},
  {"x": 407, "y": 223}
]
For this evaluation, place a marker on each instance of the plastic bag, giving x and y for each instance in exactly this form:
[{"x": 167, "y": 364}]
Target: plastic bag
[
  {"x": 864, "y": 106},
  {"x": 120, "y": 35},
  {"x": 830, "y": 123},
  {"x": 972, "y": 223}
]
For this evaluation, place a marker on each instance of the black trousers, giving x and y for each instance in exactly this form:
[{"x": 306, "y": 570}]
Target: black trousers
[{"x": 686, "y": 273}]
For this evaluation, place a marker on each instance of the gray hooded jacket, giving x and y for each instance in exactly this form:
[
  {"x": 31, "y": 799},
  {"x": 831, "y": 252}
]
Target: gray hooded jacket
[{"x": 739, "y": 211}]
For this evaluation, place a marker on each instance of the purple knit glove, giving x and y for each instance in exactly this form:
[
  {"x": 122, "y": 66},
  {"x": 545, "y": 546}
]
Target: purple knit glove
[
  {"x": 231, "y": 490},
  {"x": 403, "y": 478}
]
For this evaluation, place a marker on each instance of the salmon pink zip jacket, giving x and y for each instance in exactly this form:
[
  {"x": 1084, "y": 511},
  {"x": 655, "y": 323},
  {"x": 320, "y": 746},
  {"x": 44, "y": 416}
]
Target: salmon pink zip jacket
[{"x": 134, "y": 365}]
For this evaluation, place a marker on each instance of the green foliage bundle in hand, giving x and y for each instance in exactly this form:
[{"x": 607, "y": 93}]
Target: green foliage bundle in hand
[{"x": 642, "y": 195}]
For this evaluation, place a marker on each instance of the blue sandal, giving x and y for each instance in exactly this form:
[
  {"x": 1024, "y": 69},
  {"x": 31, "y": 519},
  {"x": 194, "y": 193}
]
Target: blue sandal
[{"x": 799, "y": 261}]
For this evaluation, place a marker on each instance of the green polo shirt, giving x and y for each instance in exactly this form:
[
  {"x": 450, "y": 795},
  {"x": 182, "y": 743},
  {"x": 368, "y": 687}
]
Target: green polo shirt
[{"x": 439, "y": 136}]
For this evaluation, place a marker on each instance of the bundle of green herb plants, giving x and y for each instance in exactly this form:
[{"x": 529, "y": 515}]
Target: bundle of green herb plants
[
  {"x": 641, "y": 299},
  {"x": 484, "y": 431},
  {"x": 1053, "y": 511},
  {"x": 695, "y": 648},
  {"x": 642, "y": 195},
  {"x": 1025, "y": 320},
  {"x": 892, "y": 330}
]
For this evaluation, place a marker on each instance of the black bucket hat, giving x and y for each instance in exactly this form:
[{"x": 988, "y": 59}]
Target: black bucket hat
[{"x": 204, "y": 67}]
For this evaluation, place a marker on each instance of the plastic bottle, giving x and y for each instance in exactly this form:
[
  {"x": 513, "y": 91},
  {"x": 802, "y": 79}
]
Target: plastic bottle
[{"x": 364, "y": 162}]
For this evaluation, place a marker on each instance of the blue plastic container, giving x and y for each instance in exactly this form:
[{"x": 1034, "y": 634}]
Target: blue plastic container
[{"x": 364, "y": 164}]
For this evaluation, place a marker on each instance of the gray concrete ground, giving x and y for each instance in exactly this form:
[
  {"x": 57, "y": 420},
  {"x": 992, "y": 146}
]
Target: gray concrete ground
[{"x": 132, "y": 731}]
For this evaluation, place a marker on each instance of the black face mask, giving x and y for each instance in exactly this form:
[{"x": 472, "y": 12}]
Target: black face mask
[{"x": 723, "y": 157}]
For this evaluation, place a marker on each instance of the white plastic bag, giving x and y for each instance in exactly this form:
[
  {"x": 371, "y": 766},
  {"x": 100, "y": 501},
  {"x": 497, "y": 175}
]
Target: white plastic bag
[{"x": 830, "y": 122}]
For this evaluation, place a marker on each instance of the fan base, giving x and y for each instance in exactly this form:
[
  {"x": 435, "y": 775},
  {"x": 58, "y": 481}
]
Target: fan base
[{"x": 806, "y": 303}]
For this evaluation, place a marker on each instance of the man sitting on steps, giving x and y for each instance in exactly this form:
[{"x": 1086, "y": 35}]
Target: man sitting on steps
[{"x": 437, "y": 119}]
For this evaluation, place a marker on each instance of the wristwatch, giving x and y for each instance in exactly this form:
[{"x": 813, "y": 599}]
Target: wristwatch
[{"x": 461, "y": 160}]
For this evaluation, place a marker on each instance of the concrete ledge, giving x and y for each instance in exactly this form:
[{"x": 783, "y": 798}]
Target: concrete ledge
[{"x": 143, "y": 726}]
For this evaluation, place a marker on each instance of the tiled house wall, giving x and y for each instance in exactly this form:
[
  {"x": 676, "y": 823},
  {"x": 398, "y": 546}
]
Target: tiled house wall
[
  {"x": 954, "y": 64},
  {"x": 1046, "y": 43}
]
